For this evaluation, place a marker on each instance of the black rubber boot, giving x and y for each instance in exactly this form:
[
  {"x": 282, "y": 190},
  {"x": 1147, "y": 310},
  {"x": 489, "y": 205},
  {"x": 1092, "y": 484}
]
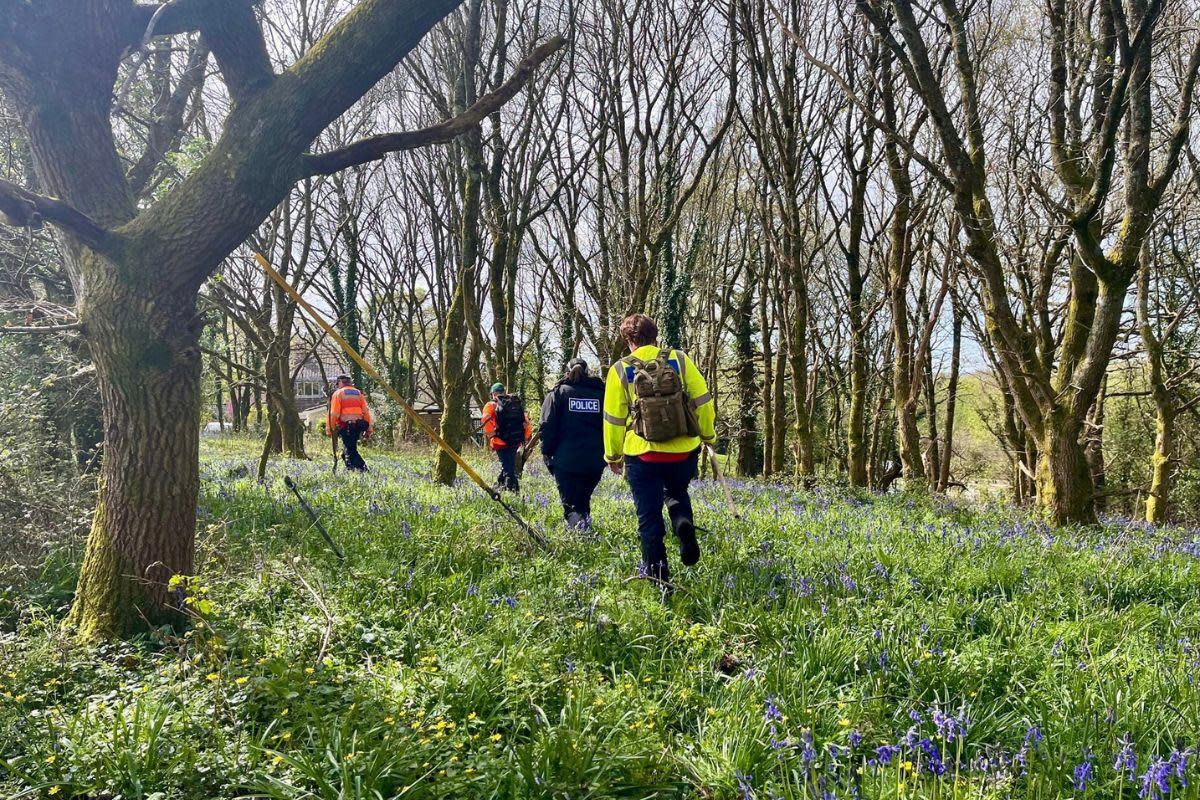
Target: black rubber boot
[{"x": 689, "y": 548}]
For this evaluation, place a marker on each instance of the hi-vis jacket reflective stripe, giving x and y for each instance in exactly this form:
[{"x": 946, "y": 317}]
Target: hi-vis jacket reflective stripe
[
  {"x": 347, "y": 405},
  {"x": 620, "y": 440}
]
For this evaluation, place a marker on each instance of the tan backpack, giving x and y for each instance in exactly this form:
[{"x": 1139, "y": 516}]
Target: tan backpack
[{"x": 660, "y": 405}]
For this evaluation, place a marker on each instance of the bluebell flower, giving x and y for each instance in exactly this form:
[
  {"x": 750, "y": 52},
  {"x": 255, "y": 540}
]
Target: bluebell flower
[
  {"x": 1156, "y": 781},
  {"x": 745, "y": 788},
  {"x": 1084, "y": 772},
  {"x": 1126, "y": 760},
  {"x": 808, "y": 753},
  {"x": 884, "y": 755},
  {"x": 933, "y": 757},
  {"x": 1034, "y": 736},
  {"x": 948, "y": 726},
  {"x": 772, "y": 713},
  {"x": 1179, "y": 762},
  {"x": 855, "y": 738}
]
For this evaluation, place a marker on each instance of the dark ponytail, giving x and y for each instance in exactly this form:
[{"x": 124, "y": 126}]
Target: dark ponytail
[{"x": 577, "y": 370}]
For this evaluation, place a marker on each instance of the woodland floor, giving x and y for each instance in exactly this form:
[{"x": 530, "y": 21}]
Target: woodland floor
[{"x": 829, "y": 644}]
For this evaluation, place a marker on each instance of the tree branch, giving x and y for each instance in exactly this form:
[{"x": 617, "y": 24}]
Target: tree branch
[
  {"x": 70, "y": 326},
  {"x": 376, "y": 147},
  {"x": 25, "y": 209}
]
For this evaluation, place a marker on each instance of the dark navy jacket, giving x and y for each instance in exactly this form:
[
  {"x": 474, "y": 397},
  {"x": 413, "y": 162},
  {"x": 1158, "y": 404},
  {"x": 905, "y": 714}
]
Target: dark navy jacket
[{"x": 572, "y": 426}]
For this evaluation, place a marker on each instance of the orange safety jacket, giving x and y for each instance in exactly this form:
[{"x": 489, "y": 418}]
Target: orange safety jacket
[
  {"x": 348, "y": 404},
  {"x": 489, "y": 427}
]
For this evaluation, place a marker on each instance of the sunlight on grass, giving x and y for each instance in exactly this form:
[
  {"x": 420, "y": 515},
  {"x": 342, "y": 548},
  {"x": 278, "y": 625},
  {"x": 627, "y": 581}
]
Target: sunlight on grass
[{"x": 828, "y": 644}]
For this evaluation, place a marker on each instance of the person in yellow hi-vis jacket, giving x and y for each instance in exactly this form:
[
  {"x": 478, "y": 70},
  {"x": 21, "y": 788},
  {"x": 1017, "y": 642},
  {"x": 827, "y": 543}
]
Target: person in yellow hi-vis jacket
[{"x": 657, "y": 412}]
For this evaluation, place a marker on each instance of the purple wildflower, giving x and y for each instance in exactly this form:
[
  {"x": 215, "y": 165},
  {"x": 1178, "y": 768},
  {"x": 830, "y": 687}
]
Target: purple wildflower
[
  {"x": 1126, "y": 760},
  {"x": 745, "y": 786},
  {"x": 1156, "y": 781},
  {"x": 772, "y": 713},
  {"x": 1084, "y": 772},
  {"x": 884, "y": 755},
  {"x": 808, "y": 753}
]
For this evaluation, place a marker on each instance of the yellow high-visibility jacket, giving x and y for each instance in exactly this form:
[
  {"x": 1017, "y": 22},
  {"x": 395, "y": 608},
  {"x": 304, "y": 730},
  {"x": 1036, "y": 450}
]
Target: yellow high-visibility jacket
[{"x": 619, "y": 438}]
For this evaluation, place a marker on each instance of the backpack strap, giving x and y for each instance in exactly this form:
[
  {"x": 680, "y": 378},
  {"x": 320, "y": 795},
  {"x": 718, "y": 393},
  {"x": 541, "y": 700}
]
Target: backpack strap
[
  {"x": 681, "y": 360},
  {"x": 623, "y": 366}
]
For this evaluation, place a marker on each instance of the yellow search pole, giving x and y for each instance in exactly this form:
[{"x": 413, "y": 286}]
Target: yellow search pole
[
  {"x": 712, "y": 454},
  {"x": 409, "y": 410}
]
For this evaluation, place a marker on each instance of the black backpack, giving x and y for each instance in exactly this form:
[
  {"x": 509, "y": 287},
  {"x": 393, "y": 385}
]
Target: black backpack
[{"x": 510, "y": 419}]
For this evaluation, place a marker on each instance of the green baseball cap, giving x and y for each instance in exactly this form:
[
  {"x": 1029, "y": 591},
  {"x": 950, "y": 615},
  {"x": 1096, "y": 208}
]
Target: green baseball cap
[{"x": 497, "y": 387}]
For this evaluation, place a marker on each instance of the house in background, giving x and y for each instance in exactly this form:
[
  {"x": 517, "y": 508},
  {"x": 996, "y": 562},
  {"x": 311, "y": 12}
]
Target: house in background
[{"x": 315, "y": 371}]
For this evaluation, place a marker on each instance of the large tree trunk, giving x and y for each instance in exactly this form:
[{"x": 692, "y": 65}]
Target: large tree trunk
[
  {"x": 1064, "y": 481},
  {"x": 456, "y": 372},
  {"x": 146, "y": 351}
]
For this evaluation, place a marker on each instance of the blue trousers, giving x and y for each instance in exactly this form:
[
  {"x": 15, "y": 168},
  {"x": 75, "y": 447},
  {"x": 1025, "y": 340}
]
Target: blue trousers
[{"x": 653, "y": 485}]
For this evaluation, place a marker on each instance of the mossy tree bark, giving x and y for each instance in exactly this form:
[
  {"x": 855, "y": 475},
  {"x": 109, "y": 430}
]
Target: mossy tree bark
[
  {"x": 137, "y": 270},
  {"x": 1162, "y": 460},
  {"x": 1053, "y": 399},
  {"x": 899, "y": 274},
  {"x": 148, "y": 372}
]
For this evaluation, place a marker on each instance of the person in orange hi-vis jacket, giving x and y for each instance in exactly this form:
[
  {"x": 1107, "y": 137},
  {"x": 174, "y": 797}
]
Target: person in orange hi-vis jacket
[
  {"x": 506, "y": 426},
  {"x": 350, "y": 418}
]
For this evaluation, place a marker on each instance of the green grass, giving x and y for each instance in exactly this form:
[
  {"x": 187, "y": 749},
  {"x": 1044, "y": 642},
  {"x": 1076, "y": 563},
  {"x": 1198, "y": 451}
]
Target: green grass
[{"x": 447, "y": 658}]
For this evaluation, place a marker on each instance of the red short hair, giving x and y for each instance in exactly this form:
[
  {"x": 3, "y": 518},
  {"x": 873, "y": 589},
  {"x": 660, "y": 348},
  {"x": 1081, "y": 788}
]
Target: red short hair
[{"x": 639, "y": 330}]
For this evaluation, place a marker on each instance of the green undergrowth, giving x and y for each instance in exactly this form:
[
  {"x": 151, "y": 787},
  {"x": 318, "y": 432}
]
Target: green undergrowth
[{"x": 828, "y": 645}]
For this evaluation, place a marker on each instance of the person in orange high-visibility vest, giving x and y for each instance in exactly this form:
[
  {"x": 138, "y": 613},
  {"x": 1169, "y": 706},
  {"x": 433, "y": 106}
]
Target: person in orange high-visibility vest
[
  {"x": 506, "y": 426},
  {"x": 350, "y": 418}
]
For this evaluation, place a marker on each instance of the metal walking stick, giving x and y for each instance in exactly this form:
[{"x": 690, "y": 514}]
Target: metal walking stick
[{"x": 291, "y": 484}]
